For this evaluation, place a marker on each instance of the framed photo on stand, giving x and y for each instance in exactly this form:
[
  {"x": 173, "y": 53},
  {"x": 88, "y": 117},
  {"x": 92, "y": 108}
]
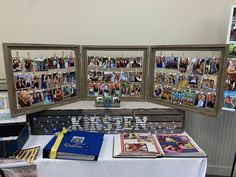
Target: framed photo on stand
[
  {"x": 188, "y": 77},
  {"x": 118, "y": 71},
  {"x": 40, "y": 76}
]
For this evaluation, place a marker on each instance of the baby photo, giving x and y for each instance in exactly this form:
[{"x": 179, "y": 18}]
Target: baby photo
[
  {"x": 212, "y": 65},
  {"x": 17, "y": 64},
  {"x": 135, "y": 89},
  {"x": 23, "y": 99},
  {"x": 135, "y": 76},
  {"x": 198, "y": 66},
  {"x": 48, "y": 97},
  {"x": 183, "y": 64},
  {"x": 41, "y": 64},
  {"x": 36, "y": 97},
  {"x": 193, "y": 81},
  {"x": 171, "y": 62},
  {"x": 29, "y": 65}
]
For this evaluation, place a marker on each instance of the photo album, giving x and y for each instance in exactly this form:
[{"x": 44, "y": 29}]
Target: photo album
[{"x": 155, "y": 145}]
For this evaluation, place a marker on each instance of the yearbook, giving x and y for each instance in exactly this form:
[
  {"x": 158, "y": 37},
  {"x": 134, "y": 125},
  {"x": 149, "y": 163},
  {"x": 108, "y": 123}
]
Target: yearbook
[
  {"x": 76, "y": 145},
  {"x": 179, "y": 145},
  {"x": 136, "y": 145}
]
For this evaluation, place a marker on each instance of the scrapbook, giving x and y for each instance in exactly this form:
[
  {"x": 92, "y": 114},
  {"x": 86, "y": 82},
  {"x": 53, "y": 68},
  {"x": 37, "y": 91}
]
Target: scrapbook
[
  {"x": 136, "y": 145},
  {"x": 75, "y": 145}
]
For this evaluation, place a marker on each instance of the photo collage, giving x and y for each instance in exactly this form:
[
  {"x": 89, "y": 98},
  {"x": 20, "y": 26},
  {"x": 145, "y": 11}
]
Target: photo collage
[
  {"x": 44, "y": 80},
  {"x": 115, "y": 76},
  {"x": 186, "y": 81},
  {"x": 229, "y": 101}
]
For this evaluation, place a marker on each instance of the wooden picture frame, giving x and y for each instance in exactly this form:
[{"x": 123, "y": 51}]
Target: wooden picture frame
[
  {"x": 43, "y": 81},
  {"x": 197, "y": 90},
  {"x": 115, "y": 52}
]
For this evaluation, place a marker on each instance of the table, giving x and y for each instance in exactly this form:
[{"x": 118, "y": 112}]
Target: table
[{"x": 107, "y": 166}]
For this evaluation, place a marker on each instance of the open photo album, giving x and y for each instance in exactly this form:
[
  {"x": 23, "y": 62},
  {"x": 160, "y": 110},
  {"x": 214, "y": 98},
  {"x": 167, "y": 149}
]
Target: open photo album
[{"x": 155, "y": 145}]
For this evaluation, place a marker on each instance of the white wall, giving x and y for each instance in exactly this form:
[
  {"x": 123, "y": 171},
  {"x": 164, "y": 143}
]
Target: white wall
[{"x": 131, "y": 22}]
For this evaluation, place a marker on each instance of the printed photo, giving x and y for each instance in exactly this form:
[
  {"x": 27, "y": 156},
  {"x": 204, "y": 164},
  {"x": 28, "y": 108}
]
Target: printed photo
[
  {"x": 94, "y": 89},
  {"x": 95, "y": 75},
  {"x": 29, "y": 65},
  {"x": 121, "y": 76},
  {"x": 115, "y": 89},
  {"x": 212, "y": 65},
  {"x": 135, "y": 89},
  {"x": 158, "y": 90},
  {"x": 171, "y": 79},
  {"x": 48, "y": 97},
  {"x": 182, "y": 82},
  {"x": 41, "y": 64},
  {"x": 125, "y": 89},
  {"x": 183, "y": 64},
  {"x": 208, "y": 83},
  {"x": 230, "y": 83},
  {"x": 135, "y": 147},
  {"x": 189, "y": 98},
  {"x": 135, "y": 76},
  {"x": 193, "y": 81},
  {"x": 232, "y": 35},
  {"x": 52, "y": 62},
  {"x": 231, "y": 68},
  {"x": 123, "y": 62},
  {"x": 62, "y": 62},
  {"x": 108, "y": 76},
  {"x": 171, "y": 62},
  {"x": 36, "y": 97},
  {"x": 57, "y": 79},
  {"x": 23, "y": 99},
  {"x": 36, "y": 81},
  {"x": 232, "y": 50},
  {"x": 57, "y": 94},
  {"x": 17, "y": 64},
  {"x": 166, "y": 93},
  {"x": 229, "y": 100},
  {"x": 178, "y": 96},
  {"x": 211, "y": 100},
  {"x": 171, "y": 149},
  {"x": 23, "y": 81},
  {"x": 135, "y": 62},
  {"x": 2, "y": 103},
  {"x": 116, "y": 100},
  {"x": 200, "y": 100},
  {"x": 160, "y": 62},
  {"x": 71, "y": 61},
  {"x": 198, "y": 66}
]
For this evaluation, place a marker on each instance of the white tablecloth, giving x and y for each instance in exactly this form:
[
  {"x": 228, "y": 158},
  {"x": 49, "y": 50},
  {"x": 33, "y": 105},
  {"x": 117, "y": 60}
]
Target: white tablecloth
[{"x": 107, "y": 166}]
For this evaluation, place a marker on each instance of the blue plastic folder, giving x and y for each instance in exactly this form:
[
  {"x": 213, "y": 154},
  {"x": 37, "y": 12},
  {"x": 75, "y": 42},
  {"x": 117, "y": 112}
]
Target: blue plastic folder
[{"x": 77, "y": 145}]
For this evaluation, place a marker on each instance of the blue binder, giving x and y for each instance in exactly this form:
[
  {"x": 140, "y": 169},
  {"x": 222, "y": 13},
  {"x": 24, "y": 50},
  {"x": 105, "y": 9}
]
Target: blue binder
[{"x": 77, "y": 145}]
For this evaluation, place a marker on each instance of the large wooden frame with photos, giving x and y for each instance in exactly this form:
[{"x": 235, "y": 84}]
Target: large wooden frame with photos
[
  {"x": 188, "y": 77},
  {"x": 40, "y": 76},
  {"x": 116, "y": 71}
]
